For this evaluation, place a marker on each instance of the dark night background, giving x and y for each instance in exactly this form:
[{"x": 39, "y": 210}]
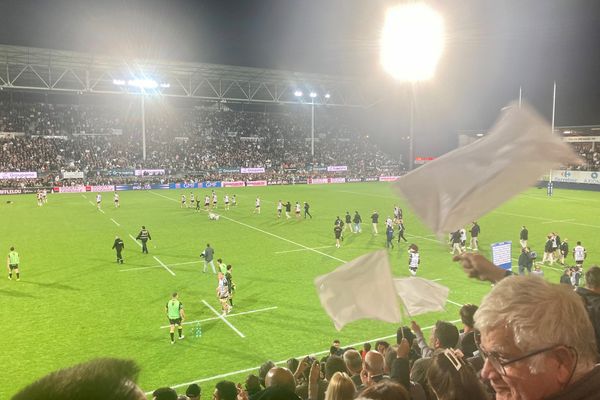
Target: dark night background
[{"x": 492, "y": 48}]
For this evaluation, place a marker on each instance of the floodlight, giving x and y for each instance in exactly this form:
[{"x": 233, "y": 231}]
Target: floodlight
[
  {"x": 313, "y": 94},
  {"x": 119, "y": 82},
  {"x": 412, "y": 41},
  {"x": 165, "y": 85},
  {"x": 327, "y": 95},
  {"x": 298, "y": 93},
  {"x": 143, "y": 83}
]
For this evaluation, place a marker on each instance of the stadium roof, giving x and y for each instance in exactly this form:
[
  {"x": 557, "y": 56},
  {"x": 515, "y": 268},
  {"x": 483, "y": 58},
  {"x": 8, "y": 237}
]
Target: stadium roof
[{"x": 28, "y": 68}]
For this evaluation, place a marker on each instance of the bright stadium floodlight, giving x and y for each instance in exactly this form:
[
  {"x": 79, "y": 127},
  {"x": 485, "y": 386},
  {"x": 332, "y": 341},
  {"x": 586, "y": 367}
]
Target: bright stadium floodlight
[
  {"x": 298, "y": 93},
  {"x": 313, "y": 94},
  {"x": 327, "y": 95},
  {"x": 165, "y": 85},
  {"x": 143, "y": 83},
  {"x": 412, "y": 41},
  {"x": 119, "y": 82}
]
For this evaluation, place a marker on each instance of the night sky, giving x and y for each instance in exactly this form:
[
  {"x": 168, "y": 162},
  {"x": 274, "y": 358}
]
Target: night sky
[{"x": 493, "y": 47}]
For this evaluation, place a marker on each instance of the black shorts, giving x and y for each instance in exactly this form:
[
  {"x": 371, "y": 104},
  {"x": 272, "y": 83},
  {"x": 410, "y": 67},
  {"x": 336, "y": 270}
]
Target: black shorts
[
  {"x": 176, "y": 321},
  {"x": 13, "y": 266},
  {"x": 337, "y": 235}
]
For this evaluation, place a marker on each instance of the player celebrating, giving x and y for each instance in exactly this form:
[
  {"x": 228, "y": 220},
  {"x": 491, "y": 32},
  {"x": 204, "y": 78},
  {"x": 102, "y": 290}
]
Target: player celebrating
[
  {"x": 226, "y": 199},
  {"x": 99, "y": 201},
  {"x": 256, "y": 206},
  {"x": 183, "y": 201},
  {"x": 176, "y": 315},
  {"x": 413, "y": 259},
  {"x": 116, "y": 200},
  {"x": 279, "y": 208}
]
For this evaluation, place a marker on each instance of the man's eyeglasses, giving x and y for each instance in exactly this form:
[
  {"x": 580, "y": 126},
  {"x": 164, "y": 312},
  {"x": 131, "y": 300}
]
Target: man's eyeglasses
[{"x": 498, "y": 362}]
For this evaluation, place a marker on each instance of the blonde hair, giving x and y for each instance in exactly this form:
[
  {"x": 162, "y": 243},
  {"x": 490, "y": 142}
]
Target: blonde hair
[{"x": 340, "y": 387}]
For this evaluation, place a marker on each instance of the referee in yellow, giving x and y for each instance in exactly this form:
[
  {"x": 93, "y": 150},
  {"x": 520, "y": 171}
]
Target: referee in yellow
[{"x": 12, "y": 263}]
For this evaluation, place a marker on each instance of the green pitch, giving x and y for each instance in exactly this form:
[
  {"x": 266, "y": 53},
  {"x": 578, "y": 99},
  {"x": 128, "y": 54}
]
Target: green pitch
[{"x": 75, "y": 303}]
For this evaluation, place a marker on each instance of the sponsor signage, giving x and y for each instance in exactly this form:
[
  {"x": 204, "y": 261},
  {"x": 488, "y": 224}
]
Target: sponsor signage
[
  {"x": 18, "y": 175},
  {"x": 317, "y": 181},
  {"x": 423, "y": 160},
  {"x": 70, "y": 189},
  {"x": 371, "y": 179},
  {"x": 257, "y": 170},
  {"x": 119, "y": 172},
  {"x": 337, "y": 168},
  {"x": 388, "y": 178},
  {"x": 353, "y": 180},
  {"x": 581, "y": 139},
  {"x": 256, "y": 183},
  {"x": 587, "y": 177},
  {"x": 100, "y": 188},
  {"x": 210, "y": 184},
  {"x": 229, "y": 170},
  {"x": 501, "y": 254},
  {"x": 149, "y": 172},
  {"x": 233, "y": 184},
  {"x": 10, "y": 191},
  {"x": 72, "y": 175},
  {"x": 337, "y": 180}
]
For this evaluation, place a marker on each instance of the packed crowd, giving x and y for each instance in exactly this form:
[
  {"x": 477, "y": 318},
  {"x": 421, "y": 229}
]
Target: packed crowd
[
  {"x": 198, "y": 140},
  {"x": 590, "y": 155},
  {"x": 510, "y": 348}
]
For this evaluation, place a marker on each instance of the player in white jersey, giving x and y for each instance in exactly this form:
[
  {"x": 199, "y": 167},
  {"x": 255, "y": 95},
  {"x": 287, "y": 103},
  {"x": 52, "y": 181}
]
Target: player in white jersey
[
  {"x": 183, "y": 201},
  {"x": 234, "y": 201},
  {"x": 44, "y": 195},
  {"x": 214, "y": 198},
  {"x": 40, "y": 201},
  {"x": 206, "y": 203},
  {"x": 192, "y": 200},
  {"x": 226, "y": 199},
  {"x": 279, "y": 208},
  {"x": 257, "y": 206},
  {"x": 413, "y": 259},
  {"x": 99, "y": 201},
  {"x": 463, "y": 240},
  {"x": 297, "y": 210},
  {"x": 389, "y": 222},
  {"x": 579, "y": 254},
  {"x": 116, "y": 200}
]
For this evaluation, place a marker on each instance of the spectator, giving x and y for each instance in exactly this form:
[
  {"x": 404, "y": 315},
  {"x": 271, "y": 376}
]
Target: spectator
[
  {"x": 466, "y": 342},
  {"x": 591, "y": 297},
  {"x": 451, "y": 378},
  {"x": 164, "y": 393},
  {"x": 225, "y": 390},
  {"x": 385, "y": 390},
  {"x": 252, "y": 385},
  {"x": 534, "y": 354},
  {"x": 193, "y": 392},
  {"x": 99, "y": 379},
  {"x": 353, "y": 361},
  {"x": 340, "y": 387}
]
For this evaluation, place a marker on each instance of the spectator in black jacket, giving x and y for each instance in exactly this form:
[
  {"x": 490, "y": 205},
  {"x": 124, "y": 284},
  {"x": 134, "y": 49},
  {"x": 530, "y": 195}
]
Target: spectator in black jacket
[
  {"x": 591, "y": 297},
  {"x": 525, "y": 261}
]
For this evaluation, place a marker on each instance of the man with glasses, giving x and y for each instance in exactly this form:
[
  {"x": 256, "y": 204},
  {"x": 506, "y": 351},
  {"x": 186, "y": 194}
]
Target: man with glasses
[{"x": 537, "y": 342}]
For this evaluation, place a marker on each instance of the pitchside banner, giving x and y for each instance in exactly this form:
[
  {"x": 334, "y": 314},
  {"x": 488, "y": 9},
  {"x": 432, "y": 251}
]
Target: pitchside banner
[
  {"x": 70, "y": 189},
  {"x": 588, "y": 177},
  {"x": 256, "y": 183},
  {"x": 18, "y": 175},
  {"x": 100, "y": 188},
  {"x": 257, "y": 170},
  {"x": 149, "y": 172},
  {"x": 233, "y": 184},
  {"x": 337, "y": 168},
  {"x": 210, "y": 184},
  {"x": 501, "y": 254},
  {"x": 388, "y": 178}
]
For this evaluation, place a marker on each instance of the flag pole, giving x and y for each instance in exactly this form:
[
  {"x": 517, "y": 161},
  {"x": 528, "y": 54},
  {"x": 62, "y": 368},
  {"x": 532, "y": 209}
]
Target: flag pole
[
  {"x": 520, "y": 95},
  {"x": 553, "y": 115}
]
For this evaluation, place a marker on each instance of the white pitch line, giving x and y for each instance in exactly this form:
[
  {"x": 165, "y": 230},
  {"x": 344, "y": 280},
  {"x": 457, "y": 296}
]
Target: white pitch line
[
  {"x": 89, "y": 201},
  {"x": 228, "y": 315},
  {"x": 266, "y": 233},
  {"x": 160, "y": 266},
  {"x": 164, "y": 265},
  {"x": 227, "y": 374},
  {"x": 223, "y": 319},
  {"x": 101, "y": 210},
  {"x": 116, "y": 223},
  {"x": 292, "y": 251},
  {"x": 83, "y": 195},
  {"x": 558, "y": 221},
  {"x": 455, "y": 303},
  {"x": 135, "y": 240},
  {"x": 437, "y": 280}
]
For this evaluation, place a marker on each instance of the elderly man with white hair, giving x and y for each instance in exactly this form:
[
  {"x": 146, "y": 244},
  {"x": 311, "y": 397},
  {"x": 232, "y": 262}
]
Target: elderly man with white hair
[{"x": 537, "y": 341}]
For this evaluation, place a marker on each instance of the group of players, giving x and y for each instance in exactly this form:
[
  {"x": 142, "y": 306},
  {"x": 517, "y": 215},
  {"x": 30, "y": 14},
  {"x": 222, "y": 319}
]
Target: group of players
[
  {"x": 196, "y": 204},
  {"x": 116, "y": 200},
  {"x": 42, "y": 197}
]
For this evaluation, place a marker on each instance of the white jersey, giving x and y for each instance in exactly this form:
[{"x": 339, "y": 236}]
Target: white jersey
[
  {"x": 297, "y": 207},
  {"x": 215, "y": 198},
  {"x": 192, "y": 198},
  {"x": 579, "y": 253},
  {"x": 44, "y": 193},
  {"x": 206, "y": 200},
  {"x": 257, "y": 202},
  {"x": 223, "y": 288},
  {"x": 183, "y": 198},
  {"x": 279, "y": 206},
  {"x": 413, "y": 260},
  {"x": 396, "y": 212},
  {"x": 98, "y": 198},
  {"x": 116, "y": 197},
  {"x": 463, "y": 235},
  {"x": 226, "y": 199},
  {"x": 389, "y": 223}
]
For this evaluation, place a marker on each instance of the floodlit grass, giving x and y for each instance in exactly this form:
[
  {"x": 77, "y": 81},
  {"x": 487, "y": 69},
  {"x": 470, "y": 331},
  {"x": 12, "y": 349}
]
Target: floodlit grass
[{"x": 74, "y": 302}]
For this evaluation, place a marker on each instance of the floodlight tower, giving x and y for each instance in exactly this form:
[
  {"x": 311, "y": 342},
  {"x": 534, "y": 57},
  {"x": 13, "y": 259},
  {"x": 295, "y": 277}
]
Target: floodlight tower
[{"x": 412, "y": 42}]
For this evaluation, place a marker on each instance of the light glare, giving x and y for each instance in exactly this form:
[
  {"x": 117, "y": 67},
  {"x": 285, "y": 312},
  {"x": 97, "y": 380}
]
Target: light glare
[
  {"x": 412, "y": 42},
  {"x": 313, "y": 94},
  {"x": 298, "y": 93},
  {"x": 143, "y": 83}
]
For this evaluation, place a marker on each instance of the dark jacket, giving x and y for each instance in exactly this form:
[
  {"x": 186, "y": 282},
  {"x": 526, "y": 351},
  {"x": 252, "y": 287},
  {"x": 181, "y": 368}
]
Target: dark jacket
[
  {"x": 592, "y": 305},
  {"x": 586, "y": 388}
]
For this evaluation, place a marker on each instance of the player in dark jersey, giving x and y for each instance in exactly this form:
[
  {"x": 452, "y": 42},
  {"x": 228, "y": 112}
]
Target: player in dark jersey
[
  {"x": 118, "y": 246},
  {"x": 337, "y": 231}
]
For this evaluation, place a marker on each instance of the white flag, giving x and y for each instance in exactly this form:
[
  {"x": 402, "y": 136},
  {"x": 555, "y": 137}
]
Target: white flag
[
  {"x": 465, "y": 184},
  {"x": 421, "y": 296},
  {"x": 361, "y": 288}
]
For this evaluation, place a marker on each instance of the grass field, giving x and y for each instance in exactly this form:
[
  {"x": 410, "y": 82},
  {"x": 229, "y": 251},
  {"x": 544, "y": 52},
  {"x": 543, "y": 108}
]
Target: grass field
[{"x": 74, "y": 303}]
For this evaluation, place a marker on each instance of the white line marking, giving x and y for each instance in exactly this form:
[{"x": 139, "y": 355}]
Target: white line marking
[
  {"x": 228, "y": 315},
  {"x": 223, "y": 318},
  {"x": 542, "y": 219},
  {"x": 89, "y": 201},
  {"x": 83, "y": 195},
  {"x": 265, "y": 232},
  {"x": 455, "y": 303},
  {"x": 437, "y": 280},
  {"x": 227, "y": 374},
  {"x": 116, "y": 223},
  {"x": 539, "y": 263},
  {"x": 164, "y": 266},
  {"x": 558, "y": 220},
  {"x": 101, "y": 210},
  {"x": 135, "y": 240},
  {"x": 160, "y": 266},
  {"x": 292, "y": 251}
]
